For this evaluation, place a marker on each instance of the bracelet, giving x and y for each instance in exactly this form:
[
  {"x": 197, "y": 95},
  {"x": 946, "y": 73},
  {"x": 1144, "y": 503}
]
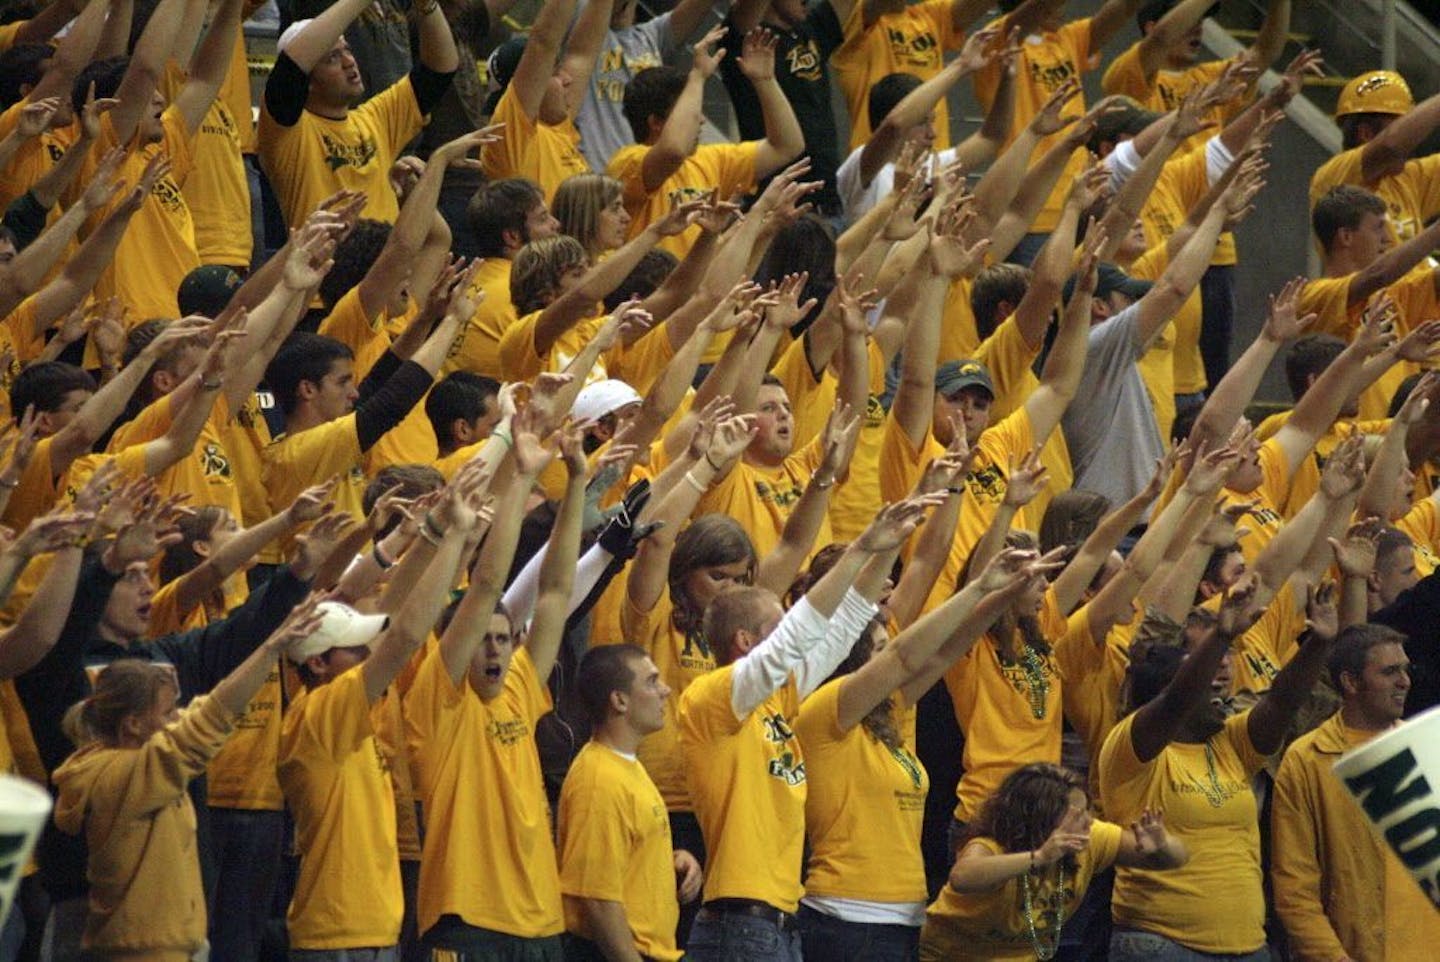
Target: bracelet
[
  {"x": 953, "y": 489},
  {"x": 214, "y": 385},
  {"x": 822, "y": 485},
  {"x": 503, "y": 437},
  {"x": 380, "y": 558},
  {"x": 426, "y": 535},
  {"x": 434, "y": 530},
  {"x": 712, "y": 463},
  {"x": 8, "y": 484},
  {"x": 1032, "y": 861},
  {"x": 695, "y": 482}
]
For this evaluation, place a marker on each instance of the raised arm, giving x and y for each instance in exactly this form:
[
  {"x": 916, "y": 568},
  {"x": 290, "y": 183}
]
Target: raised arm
[
  {"x": 1227, "y": 402},
  {"x": 1392, "y": 265},
  {"x": 582, "y": 49},
  {"x": 998, "y": 186},
  {"x": 73, "y": 51},
  {"x": 447, "y": 528},
  {"x": 1167, "y": 32},
  {"x": 1109, "y": 19},
  {"x": 682, "y": 128},
  {"x": 1060, "y": 378},
  {"x": 1387, "y": 153},
  {"x": 147, "y": 67},
  {"x": 1159, "y": 721},
  {"x": 320, "y": 35},
  {"x": 919, "y": 104},
  {"x": 1379, "y": 495},
  {"x": 542, "y": 51},
  {"x": 784, "y": 140},
  {"x": 1271, "y": 717},
  {"x": 557, "y": 572},
  {"x": 209, "y": 65},
  {"x": 487, "y": 578},
  {"x": 39, "y": 624}
]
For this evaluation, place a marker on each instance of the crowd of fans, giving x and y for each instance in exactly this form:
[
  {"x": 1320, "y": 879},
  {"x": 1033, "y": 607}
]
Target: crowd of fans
[{"x": 590, "y": 540}]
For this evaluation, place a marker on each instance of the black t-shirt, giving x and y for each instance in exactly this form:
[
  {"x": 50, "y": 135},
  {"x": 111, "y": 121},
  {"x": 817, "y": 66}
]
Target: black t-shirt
[{"x": 802, "y": 69}]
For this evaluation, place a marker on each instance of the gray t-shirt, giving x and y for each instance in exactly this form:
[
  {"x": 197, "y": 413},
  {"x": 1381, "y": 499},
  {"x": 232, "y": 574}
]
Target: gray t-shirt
[
  {"x": 1110, "y": 427},
  {"x": 601, "y": 119}
]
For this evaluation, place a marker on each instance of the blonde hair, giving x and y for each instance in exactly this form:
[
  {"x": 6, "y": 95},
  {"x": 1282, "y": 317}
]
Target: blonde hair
[
  {"x": 536, "y": 271},
  {"x": 126, "y": 687},
  {"x": 577, "y": 205}
]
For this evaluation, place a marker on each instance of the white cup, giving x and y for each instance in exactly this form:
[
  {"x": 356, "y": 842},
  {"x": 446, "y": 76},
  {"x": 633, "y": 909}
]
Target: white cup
[{"x": 1396, "y": 779}]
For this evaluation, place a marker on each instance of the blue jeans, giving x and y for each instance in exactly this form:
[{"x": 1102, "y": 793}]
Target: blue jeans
[
  {"x": 836, "y": 940},
  {"x": 248, "y": 846},
  {"x": 735, "y": 937},
  {"x": 1132, "y": 945}
]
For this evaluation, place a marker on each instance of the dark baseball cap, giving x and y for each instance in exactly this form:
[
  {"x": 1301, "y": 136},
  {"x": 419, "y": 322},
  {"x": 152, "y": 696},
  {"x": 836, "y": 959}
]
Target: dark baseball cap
[
  {"x": 1111, "y": 279},
  {"x": 954, "y": 376},
  {"x": 207, "y": 290}
]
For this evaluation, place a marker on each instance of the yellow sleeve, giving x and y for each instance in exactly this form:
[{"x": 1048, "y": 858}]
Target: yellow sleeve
[
  {"x": 1008, "y": 358},
  {"x": 595, "y": 841},
  {"x": 1328, "y": 299},
  {"x": 626, "y": 166},
  {"x": 1295, "y": 869},
  {"x": 394, "y": 115},
  {"x": 706, "y": 710},
  {"x": 1237, "y": 732},
  {"x": 337, "y": 714},
  {"x": 1344, "y": 168},
  {"x": 900, "y": 463},
  {"x": 641, "y": 364},
  {"x": 178, "y": 144},
  {"x": 1424, "y": 176},
  {"x": 432, "y": 700},
  {"x": 505, "y": 158},
  {"x": 1123, "y": 776},
  {"x": 1275, "y": 471},
  {"x": 518, "y": 360},
  {"x": 1105, "y": 840},
  {"x": 1125, "y": 75},
  {"x": 173, "y": 756}
]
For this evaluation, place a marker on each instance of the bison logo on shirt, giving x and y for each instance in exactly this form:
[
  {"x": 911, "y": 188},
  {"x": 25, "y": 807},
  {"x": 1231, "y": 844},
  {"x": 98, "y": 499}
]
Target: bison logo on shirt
[
  {"x": 987, "y": 484},
  {"x": 804, "y": 61},
  {"x": 339, "y": 154},
  {"x": 1051, "y": 76},
  {"x": 921, "y": 50}
]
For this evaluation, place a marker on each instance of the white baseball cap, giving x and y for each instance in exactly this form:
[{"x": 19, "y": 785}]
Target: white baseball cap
[
  {"x": 290, "y": 33},
  {"x": 603, "y": 397},
  {"x": 340, "y": 627}
]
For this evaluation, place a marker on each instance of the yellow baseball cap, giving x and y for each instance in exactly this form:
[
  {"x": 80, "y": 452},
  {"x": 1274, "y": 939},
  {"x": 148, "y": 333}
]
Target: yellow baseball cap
[{"x": 1376, "y": 92}]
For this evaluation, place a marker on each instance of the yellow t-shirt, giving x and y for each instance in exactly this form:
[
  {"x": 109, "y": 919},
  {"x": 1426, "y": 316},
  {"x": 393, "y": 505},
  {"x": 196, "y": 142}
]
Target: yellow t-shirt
[
  {"x": 216, "y": 190},
  {"x": 747, "y": 778},
  {"x": 1268, "y": 645},
  {"x": 762, "y": 499},
  {"x": 912, "y": 40},
  {"x": 488, "y": 855},
  {"x": 1182, "y": 183},
  {"x": 1008, "y": 709},
  {"x": 1306, "y": 478},
  {"x": 245, "y": 437},
  {"x": 1214, "y": 902},
  {"x": 519, "y": 361},
  {"x": 1044, "y": 64},
  {"x": 1266, "y": 517},
  {"x": 1157, "y": 364},
  {"x": 1094, "y": 671},
  {"x": 1009, "y": 358},
  {"x": 36, "y": 492},
  {"x": 207, "y": 475},
  {"x": 34, "y": 158},
  {"x": 477, "y": 349},
  {"x": 614, "y": 843},
  {"x": 864, "y": 808},
  {"x": 992, "y": 925},
  {"x": 1412, "y": 196},
  {"x": 365, "y": 334},
  {"x": 337, "y": 786},
  {"x": 1416, "y": 301},
  {"x": 959, "y": 335},
  {"x": 856, "y": 501},
  {"x": 158, "y": 248},
  {"x": 726, "y": 168},
  {"x": 681, "y": 660},
  {"x": 235, "y": 91},
  {"x": 294, "y": 462},
  {"x": 316, "y": 157},
  {"x": 901, "y": 466},
  {"x": 1422, "y": 524},
  {"x": 244, "y": 773},
  {"x": 544, "y": 154}
]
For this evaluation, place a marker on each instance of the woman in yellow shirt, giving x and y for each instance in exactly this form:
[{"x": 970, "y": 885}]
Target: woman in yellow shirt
[
  {"x": 591, "y": 209},
  {"x": 125, "y": 788},
  {"x": 1179, "y": 753},
  {"x": 1030, "y": 858},
  {"x": 865, "y": 887}
]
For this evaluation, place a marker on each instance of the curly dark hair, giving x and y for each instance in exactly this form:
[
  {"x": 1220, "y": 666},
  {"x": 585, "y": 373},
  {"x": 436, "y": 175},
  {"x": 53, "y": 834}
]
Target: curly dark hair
[{"x": 1027, "y": 807}]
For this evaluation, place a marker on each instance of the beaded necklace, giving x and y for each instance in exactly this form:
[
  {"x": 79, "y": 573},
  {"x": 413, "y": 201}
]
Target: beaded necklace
[
  {"x": 1037, "y": 680},
  {"x": 1214, "y": 793},
  {"x": 1044, "y": 951}
]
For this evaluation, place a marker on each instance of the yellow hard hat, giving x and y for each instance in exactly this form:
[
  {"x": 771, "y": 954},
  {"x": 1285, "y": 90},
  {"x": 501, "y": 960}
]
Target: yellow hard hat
[{"x": 1376, "y": 92}]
